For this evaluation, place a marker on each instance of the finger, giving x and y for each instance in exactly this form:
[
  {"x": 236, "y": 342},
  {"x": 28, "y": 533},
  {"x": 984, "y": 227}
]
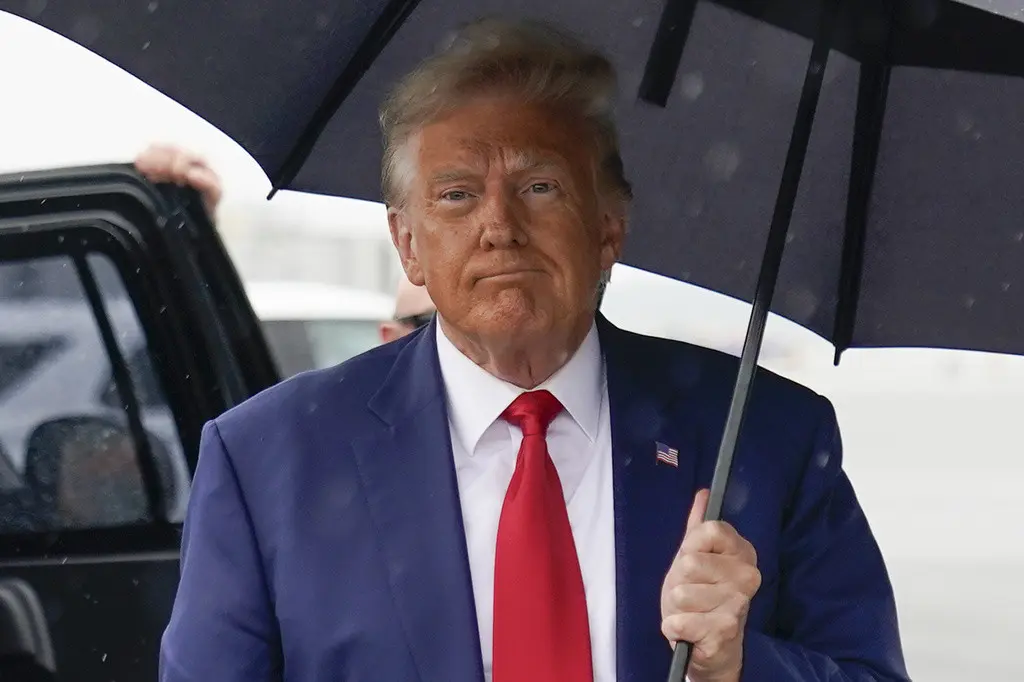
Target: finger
[
  {"x": 163, "y": 163},
  {"x": 207, "y": 183},
  {"x": 698, "y": 569},
  {"x": 714, "y": 569},
  {"x": 699, "y": 508},
  {"x": 155, "y": 162},
  {"x": 717, "y": 537},
  {"x": 182, "y": 164},
  {"x": 686, "y": 627},
  {"x": 722, "y": 629},
  {"x": 699, "y": 598}
]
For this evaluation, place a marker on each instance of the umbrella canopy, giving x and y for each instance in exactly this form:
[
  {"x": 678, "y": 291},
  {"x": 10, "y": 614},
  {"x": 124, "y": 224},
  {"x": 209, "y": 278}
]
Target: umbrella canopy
[{"x": 937, "y": 218}]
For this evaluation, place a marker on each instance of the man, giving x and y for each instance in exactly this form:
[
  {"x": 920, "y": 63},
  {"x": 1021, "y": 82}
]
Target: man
[
  {"x": 501, "y": 495},
  {"x": 413, "y": 309}
]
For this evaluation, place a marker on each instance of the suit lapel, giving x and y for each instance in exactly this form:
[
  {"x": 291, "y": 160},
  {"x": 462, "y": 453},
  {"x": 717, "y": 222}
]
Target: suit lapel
[
  {"x": 412, "y": 492},
  {"x": 652, "y": 498}
]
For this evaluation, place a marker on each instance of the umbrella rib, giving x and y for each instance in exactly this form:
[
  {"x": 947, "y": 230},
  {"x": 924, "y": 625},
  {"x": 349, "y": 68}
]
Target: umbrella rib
[
  {"x": 767, "y": 278},
  {"x": 872, "y": 94},
  {"x": 667, "y": 51},
  {"x": 376, "y": 40},
  {"x": 871, "y": 99}
]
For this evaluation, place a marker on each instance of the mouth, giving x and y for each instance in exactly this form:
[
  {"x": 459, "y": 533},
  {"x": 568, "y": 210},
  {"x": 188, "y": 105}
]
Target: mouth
[{"x": 508, "y": 276}]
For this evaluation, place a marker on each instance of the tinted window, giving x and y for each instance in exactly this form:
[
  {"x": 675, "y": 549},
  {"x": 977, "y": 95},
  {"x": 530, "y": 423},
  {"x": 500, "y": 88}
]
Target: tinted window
[
  {"x": 19, "y": 359},
  {"x": 63, "y": 420}
]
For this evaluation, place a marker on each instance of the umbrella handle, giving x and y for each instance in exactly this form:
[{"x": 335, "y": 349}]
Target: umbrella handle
[{"x": 766, "y": 281}]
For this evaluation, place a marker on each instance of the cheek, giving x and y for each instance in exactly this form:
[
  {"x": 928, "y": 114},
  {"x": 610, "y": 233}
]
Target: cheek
[{"x": 442, "y": 251}]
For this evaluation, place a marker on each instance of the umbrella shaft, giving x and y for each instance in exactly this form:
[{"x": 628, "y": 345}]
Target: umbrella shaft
[{"x": 766, "y": 281}]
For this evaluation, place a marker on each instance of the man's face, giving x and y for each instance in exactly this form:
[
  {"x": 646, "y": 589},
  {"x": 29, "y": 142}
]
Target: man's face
[
  {"x": 392, "y": 330},
  {"x": 503, "y": 220}
]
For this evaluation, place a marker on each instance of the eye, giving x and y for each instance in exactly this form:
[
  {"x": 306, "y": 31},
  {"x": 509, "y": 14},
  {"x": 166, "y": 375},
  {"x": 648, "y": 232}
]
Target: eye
[
  {"x": 455, "y": 195},
  {"x": 541, "y": 187}
]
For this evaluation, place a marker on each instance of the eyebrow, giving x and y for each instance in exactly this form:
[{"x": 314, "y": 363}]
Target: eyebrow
[
  {"x": 516, "y": 161},
  {"x": 521, "y": 160},
  {"x": 451, "y": 175}
]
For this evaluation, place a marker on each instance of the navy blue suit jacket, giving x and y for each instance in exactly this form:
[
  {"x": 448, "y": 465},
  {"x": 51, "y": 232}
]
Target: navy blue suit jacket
[{"x": 324, "y": 540}]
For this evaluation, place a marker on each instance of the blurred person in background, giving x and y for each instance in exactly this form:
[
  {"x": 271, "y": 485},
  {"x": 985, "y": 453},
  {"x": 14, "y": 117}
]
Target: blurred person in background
[{"x": 413, "y": 309}]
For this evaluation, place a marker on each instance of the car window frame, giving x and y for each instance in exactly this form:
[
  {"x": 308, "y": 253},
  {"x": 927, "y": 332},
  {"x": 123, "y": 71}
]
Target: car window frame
[{"x": 190, "y": 304}]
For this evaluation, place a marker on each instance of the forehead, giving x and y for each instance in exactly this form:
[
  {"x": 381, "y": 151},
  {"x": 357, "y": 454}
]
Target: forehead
[{"x": 519, "y": 134}]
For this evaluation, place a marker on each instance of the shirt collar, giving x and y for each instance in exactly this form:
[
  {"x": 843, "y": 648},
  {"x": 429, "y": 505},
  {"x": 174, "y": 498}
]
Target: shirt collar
[{"x": 477, "y": 398}]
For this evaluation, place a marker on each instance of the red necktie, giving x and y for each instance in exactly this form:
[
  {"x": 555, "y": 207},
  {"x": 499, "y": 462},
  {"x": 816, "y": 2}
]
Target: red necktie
[{"x": 541, "y": 633}]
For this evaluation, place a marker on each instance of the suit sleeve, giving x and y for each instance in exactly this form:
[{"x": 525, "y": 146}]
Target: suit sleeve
[
  {"x": 836, "y": 611},
  {"x": 222, "y": 625}
]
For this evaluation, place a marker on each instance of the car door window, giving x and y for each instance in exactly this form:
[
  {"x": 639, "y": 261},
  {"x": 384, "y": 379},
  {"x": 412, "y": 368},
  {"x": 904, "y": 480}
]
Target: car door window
[{"x": 64, "y": 427}]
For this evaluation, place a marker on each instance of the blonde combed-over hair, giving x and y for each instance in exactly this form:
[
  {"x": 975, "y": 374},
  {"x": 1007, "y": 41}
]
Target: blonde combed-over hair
[{"x": 531, "y": 60}]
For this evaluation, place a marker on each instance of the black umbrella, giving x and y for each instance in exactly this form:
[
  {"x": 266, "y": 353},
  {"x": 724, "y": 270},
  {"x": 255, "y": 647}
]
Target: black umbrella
[
  {"x": 927, "y": 154},
  {"x": 883, "y": 137}
]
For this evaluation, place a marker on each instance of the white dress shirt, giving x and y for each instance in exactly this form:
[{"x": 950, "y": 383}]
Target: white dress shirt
[{"x": 485, "y": 448}]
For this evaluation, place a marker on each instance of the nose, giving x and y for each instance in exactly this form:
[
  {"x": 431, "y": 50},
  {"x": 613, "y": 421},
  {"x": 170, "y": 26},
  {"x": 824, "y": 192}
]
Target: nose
[{"x": 502, "y": 226}]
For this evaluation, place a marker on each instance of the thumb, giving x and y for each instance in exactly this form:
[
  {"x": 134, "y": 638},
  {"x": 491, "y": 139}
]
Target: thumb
[{"x": 700, "y": 507}]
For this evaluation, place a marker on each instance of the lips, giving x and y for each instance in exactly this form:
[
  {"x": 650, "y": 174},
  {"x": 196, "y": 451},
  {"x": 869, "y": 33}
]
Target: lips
[{"x": 509, "y": 274}]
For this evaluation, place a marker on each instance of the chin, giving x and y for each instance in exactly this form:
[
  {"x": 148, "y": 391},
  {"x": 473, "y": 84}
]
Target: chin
[{"x": 515, "y": 318}]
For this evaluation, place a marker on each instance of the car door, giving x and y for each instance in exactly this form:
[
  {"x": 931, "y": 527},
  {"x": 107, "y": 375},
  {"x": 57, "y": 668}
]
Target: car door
[{"x": 123, "y": 328}]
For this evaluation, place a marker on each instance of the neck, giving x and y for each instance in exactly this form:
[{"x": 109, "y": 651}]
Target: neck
[{"x": 520, "y": 361}]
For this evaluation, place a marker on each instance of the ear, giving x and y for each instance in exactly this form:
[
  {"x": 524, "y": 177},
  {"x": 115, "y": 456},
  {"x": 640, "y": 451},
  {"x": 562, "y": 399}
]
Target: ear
[
  {"x": 613, "y": 235},
  {"x": 389, "y": 331},
  {"x": 402, "y": 237}
]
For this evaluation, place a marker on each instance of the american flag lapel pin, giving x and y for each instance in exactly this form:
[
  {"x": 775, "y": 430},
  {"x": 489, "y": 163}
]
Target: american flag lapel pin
[{"x": 667, "y": 455}]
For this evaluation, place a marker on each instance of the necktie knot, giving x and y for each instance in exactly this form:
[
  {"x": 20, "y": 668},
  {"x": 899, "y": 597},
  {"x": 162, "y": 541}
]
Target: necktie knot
[{"x": 533, "y": 412}]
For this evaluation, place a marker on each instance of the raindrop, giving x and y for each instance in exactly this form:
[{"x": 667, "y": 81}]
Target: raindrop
[
  {"x": 638, "y": 22},
  {"x": 722, "y": 160},
  {"x": 145, "y": 45},
  {"x": 694, "y": 207},
  {"x": 85, "y": 30},
  {"x": 60, "y": 239},
  {"x": 790, "y": 237},
  {"x": 737, "y": 495},
  {"x": 104, "y": 659},
  {"x": 969, "y": 302},
  {"x": 33, "y": 8},
  {"x": 692, "y": 85},
  {"x": 1019, "y": 237},
  {"x": 153, "y": 6},
  {"x": 1006, "y": 286},
  {"x": 802, "y": 303},
  {"x": 822, "y": 459},
  {"x": 964, "y": 123}
]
